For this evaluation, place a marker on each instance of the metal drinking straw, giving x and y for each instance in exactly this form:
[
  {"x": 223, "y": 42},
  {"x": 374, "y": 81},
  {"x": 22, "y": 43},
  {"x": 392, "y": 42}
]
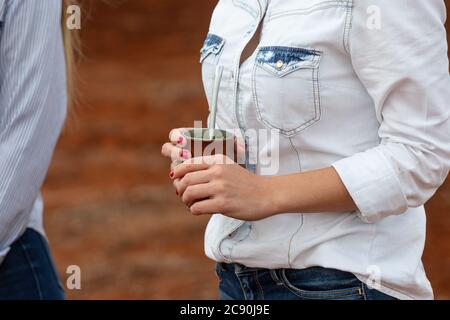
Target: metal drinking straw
[{"x": 215, "y": 96}]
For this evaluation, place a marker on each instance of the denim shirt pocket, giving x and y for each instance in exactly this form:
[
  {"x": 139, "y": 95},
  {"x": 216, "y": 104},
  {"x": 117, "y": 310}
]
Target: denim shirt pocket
[
  {"x": 286, "y": 88},
  {"x": 213, "y": 46}
]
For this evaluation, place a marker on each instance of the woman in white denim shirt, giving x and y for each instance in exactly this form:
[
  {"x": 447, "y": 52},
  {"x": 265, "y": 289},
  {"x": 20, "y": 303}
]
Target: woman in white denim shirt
[{"x": 356, "y": 99}]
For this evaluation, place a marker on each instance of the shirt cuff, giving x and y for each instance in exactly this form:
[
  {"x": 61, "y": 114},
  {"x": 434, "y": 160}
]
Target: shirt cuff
[{"x": 373, "y": 185}]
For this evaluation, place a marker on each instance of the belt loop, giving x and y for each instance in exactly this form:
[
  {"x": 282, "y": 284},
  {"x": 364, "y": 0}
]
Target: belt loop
[
  {"x": 238, "y": 268},
  {"x": 275, "y": 277}
]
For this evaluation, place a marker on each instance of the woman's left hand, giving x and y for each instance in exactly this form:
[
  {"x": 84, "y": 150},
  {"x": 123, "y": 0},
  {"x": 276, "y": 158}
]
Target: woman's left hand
[{"x": 216, "y": 184}]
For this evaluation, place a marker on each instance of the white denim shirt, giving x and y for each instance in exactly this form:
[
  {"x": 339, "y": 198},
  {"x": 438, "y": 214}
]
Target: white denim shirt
[{"x": 361, "y": 87}]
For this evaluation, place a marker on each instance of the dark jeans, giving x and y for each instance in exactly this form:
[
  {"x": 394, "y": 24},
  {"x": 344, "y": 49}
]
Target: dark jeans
[
  {"x": 28, "y": 272},
  {"x": 238, "y": 282}
]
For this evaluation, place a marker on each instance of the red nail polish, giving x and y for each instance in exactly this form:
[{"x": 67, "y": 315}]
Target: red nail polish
[
  {"x": 183, "y": 154},
  {"x": 180, "y": 140},
  {"x": 176, "y": 192},
  {"x": 171, "y": 174}
]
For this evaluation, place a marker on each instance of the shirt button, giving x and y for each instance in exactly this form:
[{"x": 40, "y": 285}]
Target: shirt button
[{"x": 280, "y": 64}]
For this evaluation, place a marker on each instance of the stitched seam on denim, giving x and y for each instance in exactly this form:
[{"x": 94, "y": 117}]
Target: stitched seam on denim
[
  {"x": 311, "y": 62},
  {"x": 318, "y": 99},
  {"x": 363, "y": 286},
  {"x": 292, "y": 239},
  {"x": 36, "y": 280},
  {"x": 242, "y": 287},
  {"x": 305, "y": 125},
  {"x": 306, "y": 11},
  {"x": 331, "y": 294},
  {"x": 241, "y": 4},
  {"x": 274, "y": 276},
  {"x": 215, "y": 49},
  {"x": 317, "y": 106},
  {"x": 301, "y": 216},
  {"x": 212, "y": 40},
  {"x": 393, "y": 292},
  {"x": 237, "y": 64},
  {"x": 281, "y": 74},
  {"x": 348, "y": 26},
  {"x": 238, "y": 114},
  {"x": 246, "y": 272},
  {"x": 298, "y": 155},
  {"x": 207, "y": 53},
  {"x": 219, "y": 243},
  {"x": 311, "y": 52},
  {"x": 235, "y": 243},
  {"x": 366, "y": 289},
  {"x": 259, "y": 284}
]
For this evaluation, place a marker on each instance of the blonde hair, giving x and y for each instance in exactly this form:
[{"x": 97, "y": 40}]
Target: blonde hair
[{"x": 71, "y": 50}]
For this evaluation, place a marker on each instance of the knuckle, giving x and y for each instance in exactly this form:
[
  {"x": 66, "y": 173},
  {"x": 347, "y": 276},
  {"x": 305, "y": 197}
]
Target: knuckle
[
  {"x": 195, "y": 210},
  {"x": 220, "y": 185},
  {"x": 217, "y": 170},
  {"x": 187, "y": 179},
  {"x": 187, "y": 195},
  {"x": 182, "y": 187},
  {"x": 221, "y": 203},
  {"x": 225, "y": 184}
]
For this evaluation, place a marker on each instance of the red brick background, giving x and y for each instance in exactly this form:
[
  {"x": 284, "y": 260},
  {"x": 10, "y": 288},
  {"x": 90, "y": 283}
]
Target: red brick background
[{"x": 109, "y": 206}]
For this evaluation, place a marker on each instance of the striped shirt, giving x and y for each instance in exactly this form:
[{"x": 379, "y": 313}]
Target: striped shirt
[{"x": 32, "y": 109}]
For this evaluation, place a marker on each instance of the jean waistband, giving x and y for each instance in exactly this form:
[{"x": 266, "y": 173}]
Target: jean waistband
[{"x": 236, "y": 267}]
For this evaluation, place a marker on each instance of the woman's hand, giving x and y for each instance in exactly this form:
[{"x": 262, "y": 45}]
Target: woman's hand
[
  {"x": 216, "y": 184},
  {"x": 174, "y": 148}
]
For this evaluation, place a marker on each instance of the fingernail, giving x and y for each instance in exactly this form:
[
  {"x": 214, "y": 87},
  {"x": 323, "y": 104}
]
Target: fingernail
[
  {"x": 176, "y": 192},
  {"x": 171, "y": 174},
  {"x": 180, "y": 140},
  {"x": 184, "y": 154}
]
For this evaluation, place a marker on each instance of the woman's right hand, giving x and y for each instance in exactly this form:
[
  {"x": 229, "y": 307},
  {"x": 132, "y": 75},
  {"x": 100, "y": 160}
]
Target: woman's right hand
[{"x": 174, "y": 148}]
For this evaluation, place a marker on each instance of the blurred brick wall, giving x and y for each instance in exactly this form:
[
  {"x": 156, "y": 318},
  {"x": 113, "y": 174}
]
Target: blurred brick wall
[{"x": 109, "y": 206}]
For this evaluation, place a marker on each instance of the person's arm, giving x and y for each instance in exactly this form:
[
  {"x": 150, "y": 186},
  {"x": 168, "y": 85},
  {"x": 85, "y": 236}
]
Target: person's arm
[
  {"x": 220, "y": 185},
  {"x": 32, "y": 106},
  {"x": 404, "y": 67}
]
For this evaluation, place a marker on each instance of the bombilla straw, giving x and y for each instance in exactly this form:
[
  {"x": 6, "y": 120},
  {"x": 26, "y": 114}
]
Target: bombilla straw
[{"x": 215, "y": 96}]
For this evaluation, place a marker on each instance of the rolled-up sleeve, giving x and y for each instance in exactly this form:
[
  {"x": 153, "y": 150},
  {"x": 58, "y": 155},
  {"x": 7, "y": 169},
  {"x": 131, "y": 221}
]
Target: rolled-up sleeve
[
  {"x": 32, "y": 106},
  {"x": 399, "y": 52}
]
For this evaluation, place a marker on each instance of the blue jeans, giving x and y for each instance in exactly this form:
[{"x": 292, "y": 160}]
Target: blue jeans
[
  {"x": 28, "y": 272},
  {"x": 238, "y": 282}
]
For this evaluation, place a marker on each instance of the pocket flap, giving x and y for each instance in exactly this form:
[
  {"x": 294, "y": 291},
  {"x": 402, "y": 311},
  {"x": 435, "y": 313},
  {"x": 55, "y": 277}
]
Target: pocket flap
[
  {"x": 213, "y": 44},
  {"x": 281, "y": 61}
]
